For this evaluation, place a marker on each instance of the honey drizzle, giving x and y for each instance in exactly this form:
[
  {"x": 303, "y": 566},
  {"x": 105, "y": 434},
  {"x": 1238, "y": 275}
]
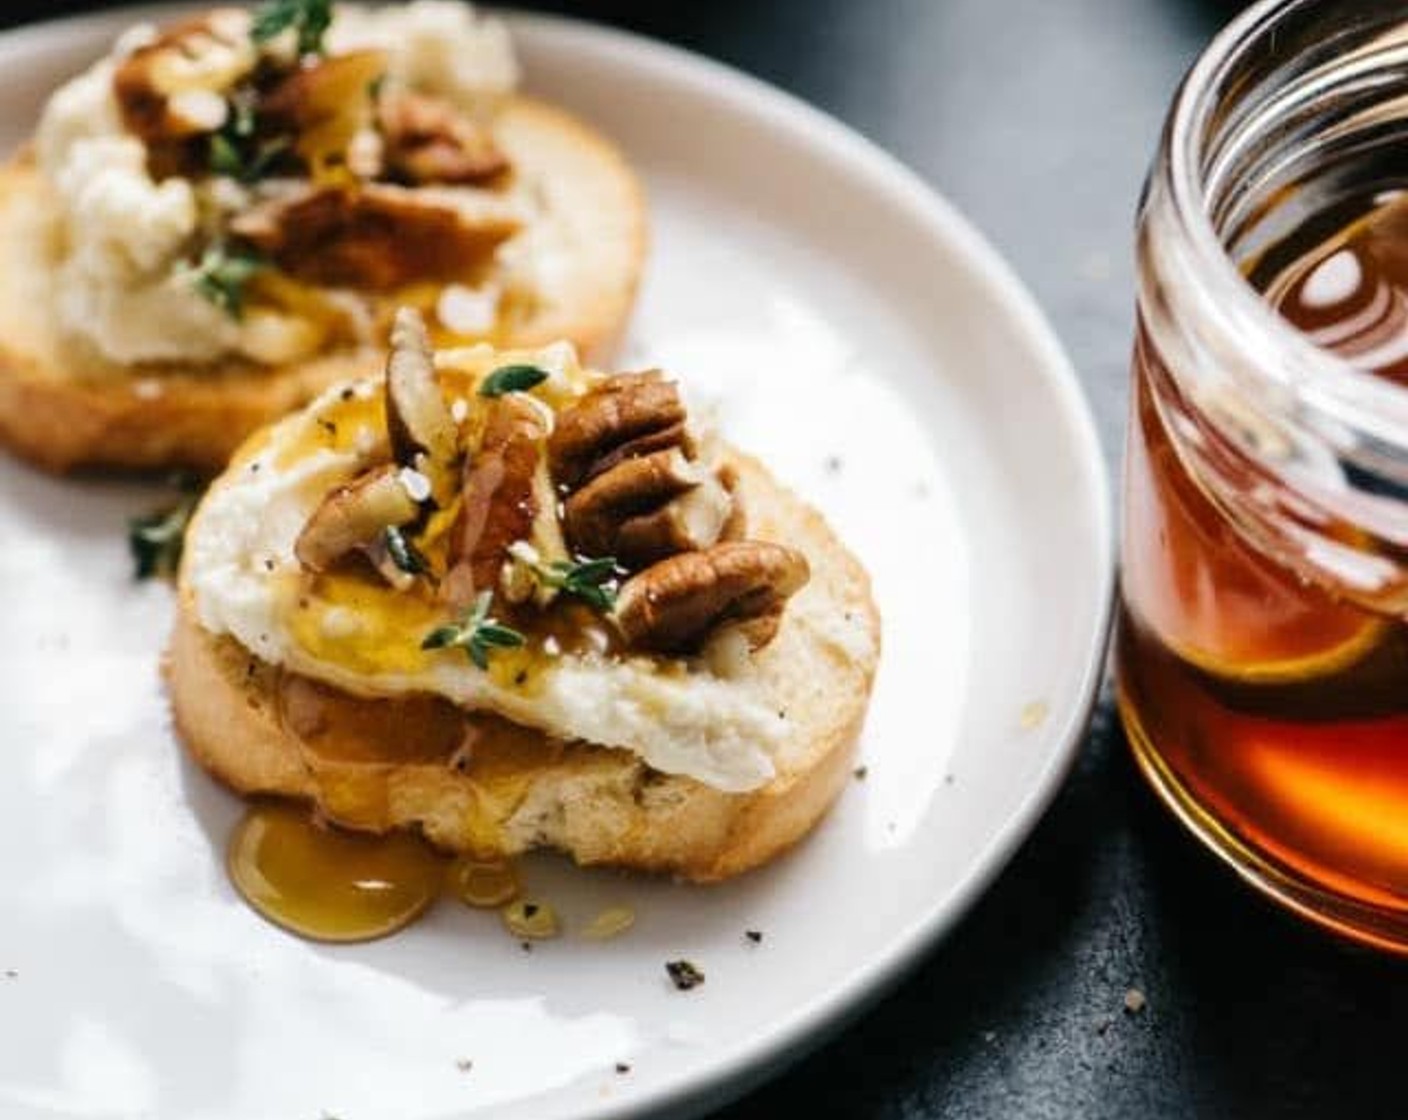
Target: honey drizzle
[{"x": 330, "y": 883}]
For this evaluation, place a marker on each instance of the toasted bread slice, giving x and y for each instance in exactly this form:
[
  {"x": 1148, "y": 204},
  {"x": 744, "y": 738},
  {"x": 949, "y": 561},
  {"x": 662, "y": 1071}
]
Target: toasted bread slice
[
  {"x": 62, "y": 406},
  {"x": 598, "y": 805}
]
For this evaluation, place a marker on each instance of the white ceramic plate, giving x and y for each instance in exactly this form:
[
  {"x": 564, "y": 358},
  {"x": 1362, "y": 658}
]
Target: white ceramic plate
[{"x": 849, "y": 325}]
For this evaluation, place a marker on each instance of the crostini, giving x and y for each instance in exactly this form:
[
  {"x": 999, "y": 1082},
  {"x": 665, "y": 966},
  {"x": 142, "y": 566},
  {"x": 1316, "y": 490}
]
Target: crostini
[
  {"x": 217, "y": 220},
  {"x": 513, "y": 603}
]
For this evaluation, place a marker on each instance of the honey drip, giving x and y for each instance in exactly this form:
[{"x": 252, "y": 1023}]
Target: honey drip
[
  {"x": 334, "y": 884},
  {"x": 329, "y": 884}
]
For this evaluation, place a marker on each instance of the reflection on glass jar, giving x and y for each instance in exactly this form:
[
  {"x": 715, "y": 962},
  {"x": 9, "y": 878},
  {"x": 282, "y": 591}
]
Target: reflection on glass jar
[{"x": 1262, "y": 652}]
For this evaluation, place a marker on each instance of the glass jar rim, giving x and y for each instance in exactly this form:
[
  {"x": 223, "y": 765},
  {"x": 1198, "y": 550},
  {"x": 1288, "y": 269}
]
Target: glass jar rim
[{"x": 1322, "y": 396}]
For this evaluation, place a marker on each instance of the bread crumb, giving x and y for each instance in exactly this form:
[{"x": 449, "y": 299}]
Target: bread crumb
[
  {"x": 1034, "y": 715},
  {"x": 529, "y": 920},
  {"x": 611, "y": 922},
  {"x": 1134, "y": 1001}
]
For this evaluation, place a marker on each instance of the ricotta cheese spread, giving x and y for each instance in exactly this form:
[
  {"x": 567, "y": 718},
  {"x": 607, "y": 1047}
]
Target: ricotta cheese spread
[
  {"x": 129, "y": 242},
  {"x": 719, "y": 727}
]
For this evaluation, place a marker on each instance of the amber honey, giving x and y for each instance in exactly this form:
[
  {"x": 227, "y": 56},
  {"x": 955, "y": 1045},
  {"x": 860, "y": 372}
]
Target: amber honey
[
  {"x": 349, "y": 878},
  {"x": 1263, "y": 697}
]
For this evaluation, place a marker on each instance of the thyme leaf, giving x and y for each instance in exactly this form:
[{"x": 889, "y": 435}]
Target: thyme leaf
[
  {"x": 231, "y": 155},
  {"x": 155, "y": 539},
  {"x": 310, "y": 18},
  {"x": 594, "y": 581},
  {"x": 512, "y": 379},
  {"x": 476, "y": 633},
  {"x": 222, "y": 274}
]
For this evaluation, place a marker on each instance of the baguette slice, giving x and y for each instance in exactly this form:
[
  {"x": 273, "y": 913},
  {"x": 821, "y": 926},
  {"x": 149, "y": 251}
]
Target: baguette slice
[
  {"x": 598, "y": 805},
  {"x": 63, "y": 407}
]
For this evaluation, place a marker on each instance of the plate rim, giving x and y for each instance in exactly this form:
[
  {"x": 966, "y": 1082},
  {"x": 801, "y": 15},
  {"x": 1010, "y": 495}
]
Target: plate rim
[{"x": 734, "y": 1071}]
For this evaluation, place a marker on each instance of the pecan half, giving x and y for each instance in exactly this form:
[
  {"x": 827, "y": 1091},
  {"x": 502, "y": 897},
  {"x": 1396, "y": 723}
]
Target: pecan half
[
  {"x": 376, "y": 238},
  {"x": 646, "y": 508},
  {"x": 676, "y": 605},
  {"x": 499, "y": 495},
  {"x": 428, "y": 140},
  {"x": 696, "y": 519},
  {"x": 353, "y": 517},
  {"x": 628, "y": 415}
]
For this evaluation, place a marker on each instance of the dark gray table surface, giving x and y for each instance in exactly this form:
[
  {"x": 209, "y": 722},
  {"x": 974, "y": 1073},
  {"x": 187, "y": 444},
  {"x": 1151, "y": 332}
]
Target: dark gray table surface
[{"x": 1037, "y": 118}]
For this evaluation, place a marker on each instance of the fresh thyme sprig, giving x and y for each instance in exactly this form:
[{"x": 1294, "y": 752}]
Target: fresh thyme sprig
[
  {"x": 512, "y": 379},
  {"x": 156, "y": 539},
  {"x": 234, "y": 152},
  {"x": 222, "y": 274},
  {"x": 594, "y": 581},
  {"x": 476, "y": 633},
  {"x": 310, "y": 18}
]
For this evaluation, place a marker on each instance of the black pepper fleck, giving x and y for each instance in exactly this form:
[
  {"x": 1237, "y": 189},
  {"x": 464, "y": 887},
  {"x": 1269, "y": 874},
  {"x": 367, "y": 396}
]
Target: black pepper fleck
[
  {"x": 526, "y": 946},
  {"x": 622, "y": 1067},
  {"x": 833, "y": 464},
  {"x": 347, "y": 394},
  {"x": 464, "y": 1065},
  {"x": 754, "y": 935},
  {"x": 11, "y": 974},
  {"x": 268, "y": 563},
  {"x": 520, "y": 677},
  {"x": 861, "y": 772},
  {"x": 327, "y": 426},
  {"x": 529, "y": 909},
  {"x": 684, "y": 975}
]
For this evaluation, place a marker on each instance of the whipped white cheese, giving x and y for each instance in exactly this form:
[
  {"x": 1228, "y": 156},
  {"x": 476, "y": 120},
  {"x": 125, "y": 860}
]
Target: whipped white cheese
[
  {"x": 124, "y": 285},
  {"x": 722, "y": 731}
]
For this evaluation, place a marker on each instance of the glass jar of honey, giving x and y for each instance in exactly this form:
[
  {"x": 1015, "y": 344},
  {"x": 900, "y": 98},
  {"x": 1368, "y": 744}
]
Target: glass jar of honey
[{"x": 1262, "y": 648}]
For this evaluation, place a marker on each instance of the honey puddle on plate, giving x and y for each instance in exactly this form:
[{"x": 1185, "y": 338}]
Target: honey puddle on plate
[
  {"x": 329, "y": 884},
  {"x": 337, "y": 884}
]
